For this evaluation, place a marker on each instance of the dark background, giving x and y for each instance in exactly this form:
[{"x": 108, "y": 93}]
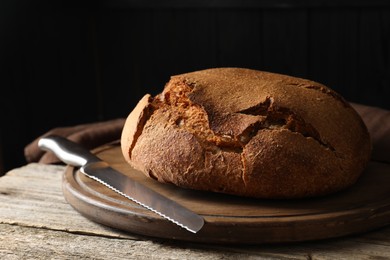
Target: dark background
[{"x": 66, "y": 63}]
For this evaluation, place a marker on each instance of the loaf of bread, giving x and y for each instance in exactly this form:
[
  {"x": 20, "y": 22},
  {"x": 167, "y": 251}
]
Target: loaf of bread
[{"x": 247, "y": 133}]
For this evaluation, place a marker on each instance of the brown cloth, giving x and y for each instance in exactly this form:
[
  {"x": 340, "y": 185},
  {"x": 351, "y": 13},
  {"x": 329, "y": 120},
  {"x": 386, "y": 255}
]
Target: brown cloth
[
  {"x": 96, "y": 134},
  {"x": 377, "y": 121},
  {"x": 89, "y": 135}
]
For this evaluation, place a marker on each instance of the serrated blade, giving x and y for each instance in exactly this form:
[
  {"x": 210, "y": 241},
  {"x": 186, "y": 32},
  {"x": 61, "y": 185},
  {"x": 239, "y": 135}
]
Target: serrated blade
[{"x": 98, "y": 170}]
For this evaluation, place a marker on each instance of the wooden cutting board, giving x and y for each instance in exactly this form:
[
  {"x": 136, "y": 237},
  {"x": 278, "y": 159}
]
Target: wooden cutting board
[{"x": 232, "y": 219}]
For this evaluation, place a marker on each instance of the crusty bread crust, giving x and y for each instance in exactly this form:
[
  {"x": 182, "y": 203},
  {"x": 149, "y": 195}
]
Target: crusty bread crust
[{"x": 248, "y": 133}]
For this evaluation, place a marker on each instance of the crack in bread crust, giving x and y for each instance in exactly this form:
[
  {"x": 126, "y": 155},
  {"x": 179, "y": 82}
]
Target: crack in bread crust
[
  {"x": 192, "y": 117},
  {"x": 321, "y": 89},
  {"x": 283, "y": 118},
  {"x": 195, "y": 120}
]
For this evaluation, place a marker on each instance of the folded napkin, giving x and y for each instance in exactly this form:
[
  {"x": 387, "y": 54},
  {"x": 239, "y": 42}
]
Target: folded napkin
[
  {"x": 89, "y": 135},
  {"x": 96, "y": 134},
  {"x": 377, "y": 121}
]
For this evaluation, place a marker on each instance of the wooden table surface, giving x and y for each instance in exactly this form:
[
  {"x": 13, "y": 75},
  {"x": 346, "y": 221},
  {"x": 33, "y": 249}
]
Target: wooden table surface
[{"x": 37, "y": 223}]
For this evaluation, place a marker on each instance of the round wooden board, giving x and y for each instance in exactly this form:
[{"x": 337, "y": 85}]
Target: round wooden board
[{"x": 232, "y": 219}]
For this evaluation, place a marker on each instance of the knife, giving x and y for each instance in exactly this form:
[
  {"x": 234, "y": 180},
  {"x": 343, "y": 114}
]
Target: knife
[{"x": 98, "y": 170}]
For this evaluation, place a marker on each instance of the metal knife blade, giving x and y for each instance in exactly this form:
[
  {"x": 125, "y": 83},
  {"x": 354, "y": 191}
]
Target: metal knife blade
[{"x": 98, "y": 170}]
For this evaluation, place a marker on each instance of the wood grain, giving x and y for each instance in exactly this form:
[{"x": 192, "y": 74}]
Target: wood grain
[
  {"x": 37, "y": 223},
  {"x": 33, "y": 198}
]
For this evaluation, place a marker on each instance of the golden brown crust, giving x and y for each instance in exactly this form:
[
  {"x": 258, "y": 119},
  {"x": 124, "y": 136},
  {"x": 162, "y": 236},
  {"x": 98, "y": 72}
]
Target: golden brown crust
[{"x": 247, "y": 133}]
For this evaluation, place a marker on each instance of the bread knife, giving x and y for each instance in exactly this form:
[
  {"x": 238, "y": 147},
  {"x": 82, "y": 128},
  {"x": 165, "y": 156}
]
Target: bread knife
[{"x": 93, "y": 167}]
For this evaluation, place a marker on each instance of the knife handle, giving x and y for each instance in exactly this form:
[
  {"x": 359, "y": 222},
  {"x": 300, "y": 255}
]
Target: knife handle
[{"x": 67, "y": 151}]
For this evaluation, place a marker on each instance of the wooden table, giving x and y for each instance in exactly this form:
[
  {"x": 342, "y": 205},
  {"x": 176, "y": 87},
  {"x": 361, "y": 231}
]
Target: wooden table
[{"x": 37, "y": 223}]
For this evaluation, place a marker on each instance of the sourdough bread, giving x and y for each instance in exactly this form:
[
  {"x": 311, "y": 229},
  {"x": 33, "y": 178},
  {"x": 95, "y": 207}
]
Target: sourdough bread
[{"x": 248, "y": 133}]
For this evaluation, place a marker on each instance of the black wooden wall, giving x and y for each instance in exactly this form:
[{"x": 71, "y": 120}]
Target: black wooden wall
[{"x": 66, "y": 63}]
